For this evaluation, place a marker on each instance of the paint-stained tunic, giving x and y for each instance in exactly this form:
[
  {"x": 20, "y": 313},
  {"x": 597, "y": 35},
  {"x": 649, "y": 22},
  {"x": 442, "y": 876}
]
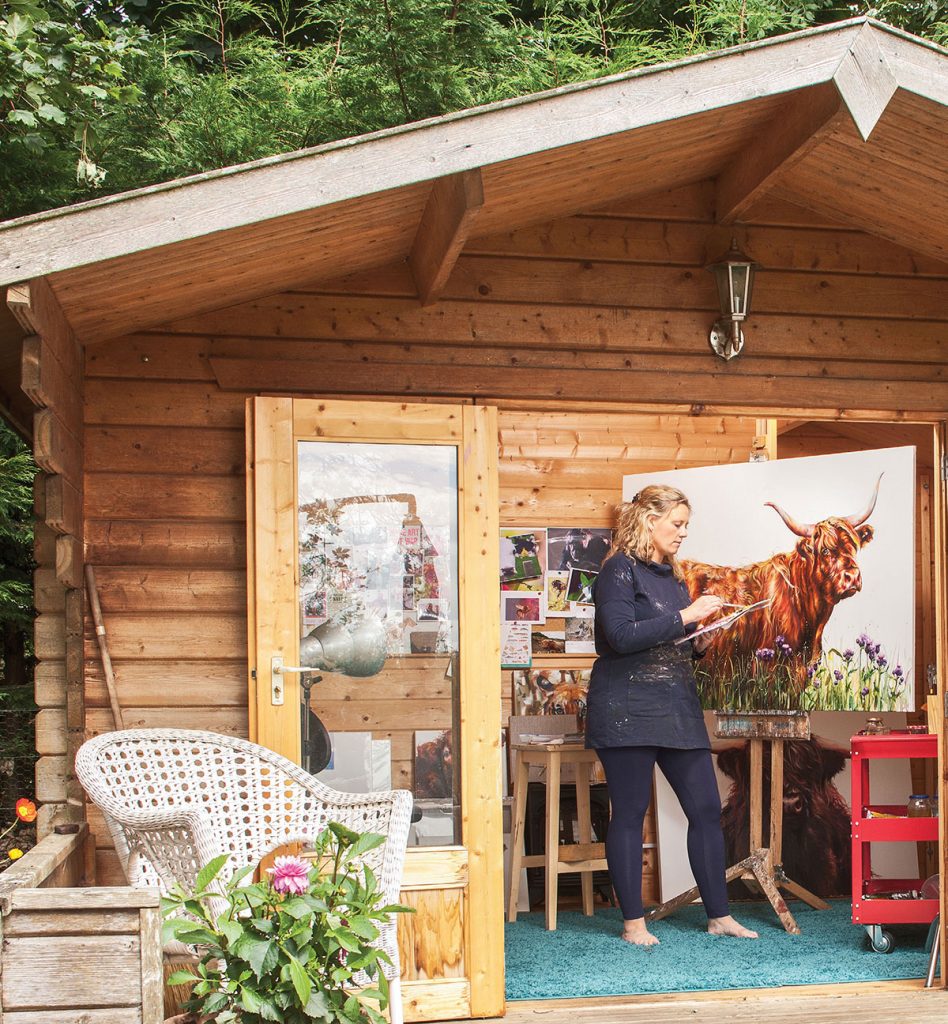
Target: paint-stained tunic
[{"x": 642, "y": 691}]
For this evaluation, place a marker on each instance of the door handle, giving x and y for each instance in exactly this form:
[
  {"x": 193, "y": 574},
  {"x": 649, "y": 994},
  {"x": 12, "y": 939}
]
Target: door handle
[{"x": 277, "y": 668}]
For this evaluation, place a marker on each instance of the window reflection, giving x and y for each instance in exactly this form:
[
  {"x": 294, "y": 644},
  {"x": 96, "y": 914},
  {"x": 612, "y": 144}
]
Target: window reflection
[{"x": 378, "y": 538}]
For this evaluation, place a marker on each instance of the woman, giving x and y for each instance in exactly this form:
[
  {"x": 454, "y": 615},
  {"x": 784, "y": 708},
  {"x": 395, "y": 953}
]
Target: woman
[{"x": 643, "y": 707}]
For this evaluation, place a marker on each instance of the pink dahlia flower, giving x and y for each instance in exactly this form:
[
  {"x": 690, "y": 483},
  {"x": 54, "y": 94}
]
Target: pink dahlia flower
[{"x": 290, "y": 874}]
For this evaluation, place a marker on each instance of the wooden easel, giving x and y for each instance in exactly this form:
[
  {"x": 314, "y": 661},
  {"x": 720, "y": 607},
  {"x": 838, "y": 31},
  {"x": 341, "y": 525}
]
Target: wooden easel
[{"x": 764, "y": 863}]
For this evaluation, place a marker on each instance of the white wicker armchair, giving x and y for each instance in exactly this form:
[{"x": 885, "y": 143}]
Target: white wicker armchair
[{"x": 175, "y": 798}]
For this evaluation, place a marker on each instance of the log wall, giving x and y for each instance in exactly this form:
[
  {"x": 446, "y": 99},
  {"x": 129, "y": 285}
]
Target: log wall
[
  {"x": 51, "y": 376},
  {"x": 564, "y": 326}
]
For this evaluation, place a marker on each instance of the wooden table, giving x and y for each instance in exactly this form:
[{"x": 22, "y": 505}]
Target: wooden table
[{"x": 584, "y": 856}]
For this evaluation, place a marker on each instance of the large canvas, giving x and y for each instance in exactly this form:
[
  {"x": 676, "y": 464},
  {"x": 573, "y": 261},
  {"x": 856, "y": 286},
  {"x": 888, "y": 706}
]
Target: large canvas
[
  {"x": 829, "y": 542},
  {"x": 816, "y": 843}
]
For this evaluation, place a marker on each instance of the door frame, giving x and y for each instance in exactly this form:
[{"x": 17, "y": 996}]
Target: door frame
[{"x": 274, "y": 424}]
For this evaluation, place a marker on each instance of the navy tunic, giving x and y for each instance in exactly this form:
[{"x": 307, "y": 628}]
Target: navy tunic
[{"x": 642, "y": 691}]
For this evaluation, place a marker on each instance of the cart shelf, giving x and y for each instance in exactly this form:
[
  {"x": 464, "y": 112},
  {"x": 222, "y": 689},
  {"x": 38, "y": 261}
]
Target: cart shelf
[{"x": 872, "y": 902}]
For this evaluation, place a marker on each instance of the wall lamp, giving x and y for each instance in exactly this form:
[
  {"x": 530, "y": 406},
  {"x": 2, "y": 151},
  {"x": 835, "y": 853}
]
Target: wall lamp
[{"x": 734, "y": 275}]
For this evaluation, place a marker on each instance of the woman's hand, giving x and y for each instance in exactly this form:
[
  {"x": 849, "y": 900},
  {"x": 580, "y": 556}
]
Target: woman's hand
[{"x": 707, "y": 604}]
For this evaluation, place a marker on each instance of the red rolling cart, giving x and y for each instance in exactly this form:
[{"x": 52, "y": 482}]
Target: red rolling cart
[{"x": 871, "y": 907}]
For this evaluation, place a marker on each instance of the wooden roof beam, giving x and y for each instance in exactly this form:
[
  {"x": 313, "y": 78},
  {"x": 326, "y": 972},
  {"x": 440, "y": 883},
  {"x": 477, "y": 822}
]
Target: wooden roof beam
[
  {"x": 453, "y": 205},
  {"x": 859, "y": 90},
  {"x": 799, "y": 126}
]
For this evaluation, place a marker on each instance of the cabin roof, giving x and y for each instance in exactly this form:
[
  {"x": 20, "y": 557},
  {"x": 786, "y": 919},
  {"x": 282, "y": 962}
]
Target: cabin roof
[{"x": 847, "y": 120}]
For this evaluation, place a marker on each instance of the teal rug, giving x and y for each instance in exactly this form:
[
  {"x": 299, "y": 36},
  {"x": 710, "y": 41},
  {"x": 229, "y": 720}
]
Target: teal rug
[{"x": 585, "y": 956}]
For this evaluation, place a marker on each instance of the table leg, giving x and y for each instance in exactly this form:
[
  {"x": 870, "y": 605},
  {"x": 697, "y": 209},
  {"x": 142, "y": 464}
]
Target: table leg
[
  {"x": 516, "y": 850},
  {"x": 584, "y": 816},
  {"x": 552, "y": 838}
]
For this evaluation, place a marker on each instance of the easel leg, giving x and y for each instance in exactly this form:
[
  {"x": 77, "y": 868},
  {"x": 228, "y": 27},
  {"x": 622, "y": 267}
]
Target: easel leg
[{"x": 766, "y": 882}]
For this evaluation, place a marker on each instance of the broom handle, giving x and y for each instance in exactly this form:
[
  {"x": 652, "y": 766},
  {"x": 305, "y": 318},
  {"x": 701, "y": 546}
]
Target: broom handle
[{"x": 103, "y": 648}]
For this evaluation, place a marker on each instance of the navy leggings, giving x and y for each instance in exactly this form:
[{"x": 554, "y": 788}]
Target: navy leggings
[{"x": 691, "y": 775}]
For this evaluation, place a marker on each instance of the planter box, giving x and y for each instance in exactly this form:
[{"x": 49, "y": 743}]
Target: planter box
[{"x": 76, "y": 955}]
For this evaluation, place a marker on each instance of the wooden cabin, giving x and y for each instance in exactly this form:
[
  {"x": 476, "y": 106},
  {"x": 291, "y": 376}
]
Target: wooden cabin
[{"x": 522, "y": 284}]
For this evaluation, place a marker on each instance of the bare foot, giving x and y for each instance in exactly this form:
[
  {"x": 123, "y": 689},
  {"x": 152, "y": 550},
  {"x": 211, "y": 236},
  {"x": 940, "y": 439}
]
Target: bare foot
[
  {"x": 728, "y": 926},
  {"x": 634, "y": 931}
]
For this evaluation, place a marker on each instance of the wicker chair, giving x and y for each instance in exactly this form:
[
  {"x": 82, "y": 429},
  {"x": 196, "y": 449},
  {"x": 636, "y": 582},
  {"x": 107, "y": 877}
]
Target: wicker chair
[{"x": 175, "y": 798}]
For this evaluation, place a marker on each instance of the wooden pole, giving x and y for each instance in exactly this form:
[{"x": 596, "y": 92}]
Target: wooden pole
[{"x": 103, "y": 643}]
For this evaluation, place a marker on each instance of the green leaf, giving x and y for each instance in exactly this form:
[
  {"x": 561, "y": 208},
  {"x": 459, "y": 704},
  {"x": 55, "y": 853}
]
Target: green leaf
[
  {"x": 254, "y": 950},
  {"x": 216, "y": 1002},
  {"x": 22, "y": 117},
  {"x": 367, "y": 841},
  {"x": 300, "y": 979},
  {"x": 232, "y": 931},
  {"x": 182, "y": 978},
  {"x": 318, "y": 1006},
  {"x": 250, "y": 1000},
  {"x": 345, "y": 835},
  {"x": 209, "y": 872},
  {"x": 49, "y": 112},
  {"x": 296, "y": 907},
  {"x": 363, "y": 927}
]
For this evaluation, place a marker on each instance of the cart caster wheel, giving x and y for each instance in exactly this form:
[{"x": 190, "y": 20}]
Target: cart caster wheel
[{"x": 881, "y": 941}]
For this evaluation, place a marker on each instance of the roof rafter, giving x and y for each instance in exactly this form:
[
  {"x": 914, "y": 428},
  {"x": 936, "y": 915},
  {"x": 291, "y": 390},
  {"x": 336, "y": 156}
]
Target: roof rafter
[
  {"x": 802, "y": 123},
  {"x": 444, "y": 227},
  {"x": 860, "y": 90}
]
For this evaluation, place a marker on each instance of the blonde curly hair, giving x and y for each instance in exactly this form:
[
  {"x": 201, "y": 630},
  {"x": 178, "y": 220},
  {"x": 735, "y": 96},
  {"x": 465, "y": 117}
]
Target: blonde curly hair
[{"x": 632, "y": 535}]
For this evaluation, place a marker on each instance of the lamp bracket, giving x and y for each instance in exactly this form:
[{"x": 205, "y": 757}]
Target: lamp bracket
[{"x": 722, "y": 339}]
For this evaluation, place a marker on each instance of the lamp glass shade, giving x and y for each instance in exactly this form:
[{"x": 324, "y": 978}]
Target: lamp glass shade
[{"x": 734, "y": 276}]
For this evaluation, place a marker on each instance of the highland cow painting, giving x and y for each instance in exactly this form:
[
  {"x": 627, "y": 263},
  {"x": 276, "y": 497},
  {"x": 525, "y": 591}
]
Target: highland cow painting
[{"x": 829, "y": 543}]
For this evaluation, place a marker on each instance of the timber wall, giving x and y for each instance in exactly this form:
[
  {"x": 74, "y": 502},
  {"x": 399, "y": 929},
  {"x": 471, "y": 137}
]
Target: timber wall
[{"x": 612, "y": 306}]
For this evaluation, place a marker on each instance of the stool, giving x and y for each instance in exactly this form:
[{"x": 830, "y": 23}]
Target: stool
[{"x": 584, "y": 856}]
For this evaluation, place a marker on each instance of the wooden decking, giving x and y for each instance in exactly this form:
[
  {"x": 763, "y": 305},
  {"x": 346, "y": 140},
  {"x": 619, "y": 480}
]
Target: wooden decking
[{"x": 898, "y": 1002}]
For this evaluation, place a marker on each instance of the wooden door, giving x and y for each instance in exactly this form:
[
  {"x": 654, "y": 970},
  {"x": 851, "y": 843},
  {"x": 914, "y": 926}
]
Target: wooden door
[
  {"x": 386, "y": 514},
  {"x": 941, "y": 660}
]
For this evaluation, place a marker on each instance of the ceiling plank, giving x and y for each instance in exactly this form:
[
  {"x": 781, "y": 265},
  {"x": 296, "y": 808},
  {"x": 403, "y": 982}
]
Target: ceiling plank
[
  {"x": 799, "y": 126},
  {"x": 445, "y": 225}
]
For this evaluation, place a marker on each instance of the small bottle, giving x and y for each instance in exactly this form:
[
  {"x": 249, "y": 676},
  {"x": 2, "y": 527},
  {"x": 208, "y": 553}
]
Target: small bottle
[{"x": 919, "y": 806}]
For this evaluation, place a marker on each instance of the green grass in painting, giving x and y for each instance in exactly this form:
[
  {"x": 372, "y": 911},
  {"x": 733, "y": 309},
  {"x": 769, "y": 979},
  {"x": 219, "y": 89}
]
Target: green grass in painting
[{"x": 853, "y": 679}]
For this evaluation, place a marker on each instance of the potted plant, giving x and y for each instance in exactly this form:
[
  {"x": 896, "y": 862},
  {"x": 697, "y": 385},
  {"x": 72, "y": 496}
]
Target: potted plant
[{"x": 285, "y": 948}]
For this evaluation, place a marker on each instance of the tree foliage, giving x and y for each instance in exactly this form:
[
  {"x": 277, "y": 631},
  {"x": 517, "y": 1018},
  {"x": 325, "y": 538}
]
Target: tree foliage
[{"x": 99, "y": 97}]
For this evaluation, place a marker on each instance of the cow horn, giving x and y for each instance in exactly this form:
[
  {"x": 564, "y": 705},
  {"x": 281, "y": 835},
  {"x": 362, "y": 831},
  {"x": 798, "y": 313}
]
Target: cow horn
[
  {"x": 805, "y": 530},
  {"x": 855, "y": 521}
]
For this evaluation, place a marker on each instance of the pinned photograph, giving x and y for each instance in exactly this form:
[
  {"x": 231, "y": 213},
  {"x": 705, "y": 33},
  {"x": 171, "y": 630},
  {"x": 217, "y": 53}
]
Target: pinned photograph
[
  {"x": 551, "y": 691},
  {"x": 522, "y": 554},
  {"x": 408, "y": 593},
  {"x": 428, "y": 611},
  {"x": 577, "y": 547},
  {"x": 314, "y": 608},
  {"x": 580, "y": 638},
  {"x": 557, "y": 588},
  {"x": 580, "y": 588},
  {"x": 515, "y": 645},
  {"x": 548, "y": 641},
  {"x": 433, "y": 765},
  {"x": 521, "y": 607}
]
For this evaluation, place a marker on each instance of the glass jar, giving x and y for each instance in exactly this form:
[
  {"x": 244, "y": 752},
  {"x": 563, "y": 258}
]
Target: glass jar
[
  {"x": 875, "y": 727},
  {"x": 919, "y": 806}
]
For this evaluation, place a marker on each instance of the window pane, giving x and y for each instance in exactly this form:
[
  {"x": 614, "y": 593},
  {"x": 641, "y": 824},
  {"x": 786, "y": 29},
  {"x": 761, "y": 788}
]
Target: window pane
[{"x": 378, "y": 611}]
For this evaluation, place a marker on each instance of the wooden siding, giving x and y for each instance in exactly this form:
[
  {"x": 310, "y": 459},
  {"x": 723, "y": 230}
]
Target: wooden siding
[{"x": 613, "y": 306}]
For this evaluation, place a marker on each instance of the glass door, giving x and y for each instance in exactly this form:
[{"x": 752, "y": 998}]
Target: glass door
[{"x": 374, "y": 640}]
